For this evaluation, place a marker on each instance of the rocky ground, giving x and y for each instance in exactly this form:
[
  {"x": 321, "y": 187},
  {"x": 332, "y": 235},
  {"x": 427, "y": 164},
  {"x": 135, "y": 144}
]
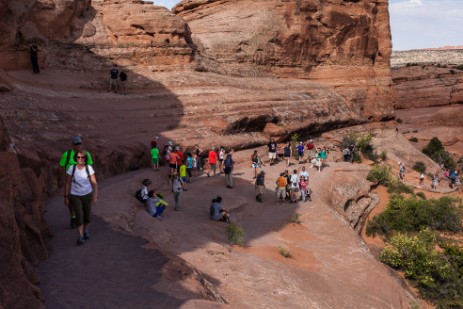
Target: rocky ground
[{"x": 190, "y": 262}]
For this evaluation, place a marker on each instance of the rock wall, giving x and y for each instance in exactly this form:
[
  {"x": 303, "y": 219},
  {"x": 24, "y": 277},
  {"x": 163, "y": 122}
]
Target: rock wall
[
  {"x": 86, "y": 34},
  {"x": 427, "y": 85},
  {"x": 23, "y": 232},
  {"x": 344, "y": 44}
]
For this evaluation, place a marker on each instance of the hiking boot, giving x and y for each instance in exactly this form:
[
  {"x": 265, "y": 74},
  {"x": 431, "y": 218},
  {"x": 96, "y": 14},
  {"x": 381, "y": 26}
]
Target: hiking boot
[
  {"x": 80, "y": 240},
  {"x": 86, "y": 236},
  {"x": 73, "y": 223}
]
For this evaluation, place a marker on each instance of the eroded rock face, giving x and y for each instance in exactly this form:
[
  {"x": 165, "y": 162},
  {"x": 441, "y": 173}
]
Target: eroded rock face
[
  {"x": 22, "y": 230},
  {"x": 76, "y": 34},
  {"x": 427, "y": 85},
  {"x": 350, "y": 195},
  {"x": 340, "y": 43}
]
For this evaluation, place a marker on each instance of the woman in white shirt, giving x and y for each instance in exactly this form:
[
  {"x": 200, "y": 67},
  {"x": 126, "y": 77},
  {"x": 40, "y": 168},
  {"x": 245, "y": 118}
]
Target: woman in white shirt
[{"x": 81, "y": 192}]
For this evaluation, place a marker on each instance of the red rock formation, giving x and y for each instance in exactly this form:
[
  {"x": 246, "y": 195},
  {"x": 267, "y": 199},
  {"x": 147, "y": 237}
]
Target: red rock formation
[
  {"x": 344, "y": 44},
  {"x": 22, "y": 230},
  {"x": 427, "y": 85},
  {"x": 129, "y": 32}
]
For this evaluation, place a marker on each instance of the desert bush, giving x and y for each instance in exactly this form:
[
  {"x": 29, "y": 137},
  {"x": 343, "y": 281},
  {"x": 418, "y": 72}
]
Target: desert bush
[
  {"x": 383, "y": 155},
  {"x": 294, "y": 142},
  {"x": 284, "y": 251},
  {"x": 349, "y": 139},
  {"x": 396, "y": 186},
  {"x": 420, "y": 167},
  {"x": 438, "y": 276},
  {"x": 399, "y": 121},
  {"x": 435, "y": 150},
  {"x": 380, "y": 174},
  {"x": 235, "y": 234},
  {"x": 412, "y": 215},
  {"x": 413, "y": 139},
  {"x": 296, "y": 218},
  {"x": 421, "y": 195},
  {"x": 459, "y": 67}
]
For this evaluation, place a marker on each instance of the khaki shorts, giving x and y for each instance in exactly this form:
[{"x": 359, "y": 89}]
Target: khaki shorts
[
  {"x": 260, "y": 189},
  {"x": 272, "y": 155}
]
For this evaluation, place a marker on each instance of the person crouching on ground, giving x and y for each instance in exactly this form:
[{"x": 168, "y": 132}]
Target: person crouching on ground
[
  {"x": 81, "y": 192},
  {"x": 260, "y": 186},
  {"x": 218, "y": 212},
  {"x": 155, "y": 205}
]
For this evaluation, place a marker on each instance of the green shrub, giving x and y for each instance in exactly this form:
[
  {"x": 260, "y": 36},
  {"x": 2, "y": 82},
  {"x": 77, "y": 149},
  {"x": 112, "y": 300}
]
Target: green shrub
[
  {"x": 413, "y": 139},
  {"x": 421, "y": 195},
  {"x": 420, "y": 167},
  {"x": 412, "y": 215},
  {"x": 380, "y": 174},
  {"x": 235, "y": 234},
  {"x": 284, "y": 251},
  {"x": 396, "y": 186},
  {"x": 438, "y": 276},
  {"x": 296, "y": 218},
  {"x": 294, "y": 142},
  {"x": 435, "y": 150},
  {"x": 383, "y": 155},
  {"x": 349, "y": 139},
  {"x": 459, "y": 67},
  {"x": 399, "y": 121}
]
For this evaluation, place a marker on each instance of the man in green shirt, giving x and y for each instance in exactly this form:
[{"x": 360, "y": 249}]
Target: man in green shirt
[
  {"x": 155, "y": 158},
  {"x": 67, "y": 160}
]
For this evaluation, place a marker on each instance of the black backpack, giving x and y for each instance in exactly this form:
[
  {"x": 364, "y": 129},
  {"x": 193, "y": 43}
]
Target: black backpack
[
  {"x": 123, "y": 76},
  {"x": 138, "y": 196}
]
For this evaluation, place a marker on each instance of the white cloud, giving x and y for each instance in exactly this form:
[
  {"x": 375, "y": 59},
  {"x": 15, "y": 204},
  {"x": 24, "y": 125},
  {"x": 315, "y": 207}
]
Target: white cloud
[{"x": 167, "y": 3}]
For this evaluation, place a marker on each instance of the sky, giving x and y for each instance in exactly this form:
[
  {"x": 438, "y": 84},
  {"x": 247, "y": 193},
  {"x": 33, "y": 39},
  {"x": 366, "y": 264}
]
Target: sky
[{"x": 415, "y": 24}]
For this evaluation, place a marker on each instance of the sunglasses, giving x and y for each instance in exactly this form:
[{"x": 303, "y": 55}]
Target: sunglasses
[
  {"x": 80, "y": 157},
  {"x": 77, "y": 144}
]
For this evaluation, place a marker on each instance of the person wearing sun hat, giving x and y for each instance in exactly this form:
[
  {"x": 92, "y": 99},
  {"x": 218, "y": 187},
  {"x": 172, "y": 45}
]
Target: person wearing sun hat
[{"x": 68, "y": 159}]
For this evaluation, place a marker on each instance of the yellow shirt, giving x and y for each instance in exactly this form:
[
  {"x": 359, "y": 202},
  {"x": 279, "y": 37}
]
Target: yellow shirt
[{"x": 182, "y": 170}]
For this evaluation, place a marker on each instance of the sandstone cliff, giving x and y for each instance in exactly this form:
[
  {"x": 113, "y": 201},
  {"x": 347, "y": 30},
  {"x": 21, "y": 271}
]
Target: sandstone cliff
[
  {"x": 427, "y": 85},
  {"x": 88, "y": 34},
  {"x": 22, "y": 230},
  {"x": 344, "y": 44}
]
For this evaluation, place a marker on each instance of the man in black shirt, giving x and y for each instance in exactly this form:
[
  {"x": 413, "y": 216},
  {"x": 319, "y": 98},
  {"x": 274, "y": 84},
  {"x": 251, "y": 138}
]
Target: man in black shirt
[{"x": 114, "y": 72}]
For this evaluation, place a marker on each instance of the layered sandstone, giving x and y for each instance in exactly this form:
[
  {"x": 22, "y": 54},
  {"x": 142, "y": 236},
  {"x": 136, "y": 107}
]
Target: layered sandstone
[
  {"x": 23, "y": 232},
  {"x": 90, "y": 34},
  {"x": 427, "y": 85},
  {"x": 343, "y": 44}
]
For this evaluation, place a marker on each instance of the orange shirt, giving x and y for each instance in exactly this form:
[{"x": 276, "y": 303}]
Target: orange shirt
[
  {"x": 281, "y": 181},
  {"x": 173, "y": 157}
]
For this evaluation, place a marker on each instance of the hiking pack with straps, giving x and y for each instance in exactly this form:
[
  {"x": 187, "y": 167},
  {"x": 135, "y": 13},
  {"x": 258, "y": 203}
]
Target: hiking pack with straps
[{"x": 74, "y": 170}]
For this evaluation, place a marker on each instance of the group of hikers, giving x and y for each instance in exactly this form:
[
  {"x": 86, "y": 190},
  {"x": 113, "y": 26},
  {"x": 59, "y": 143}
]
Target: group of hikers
[{"x": 118, "y": 79}]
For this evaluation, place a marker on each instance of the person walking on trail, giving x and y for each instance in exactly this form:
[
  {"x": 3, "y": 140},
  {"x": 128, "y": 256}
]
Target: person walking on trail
[
  {"x": 310, "y": 150},
  {"x": 68, "y": 159},
  {"x": 256, "y": 163},
  {"x": 228, "y": 164},
  {"x": 173, "y": 163},
  {"x": 300, "y": 153},
  {"x": 212, "y": 157},
  {"x": 114, "y": 73},
  {"x": 260, "y": 186},
  {"x": 351, "y": 153},
  {"x": 177, "y": 189},
  {"x": 155, "y": 158},
  {"x": 80, "y": 193},
  {"x": 281, "y": 187},
  {"x": 272, "y": 151},
  {"x": 122, "y": 82},
  {"x": 294, "y": 187},
  {"x": 421, "y": 179},
  {"x": 221, "y": 156},
  {"x": 401, "y": 171},
  {"x": 435, "y": 182},
  {"x": 288, "y": 152},
  {"x": 35, "y": 59}
]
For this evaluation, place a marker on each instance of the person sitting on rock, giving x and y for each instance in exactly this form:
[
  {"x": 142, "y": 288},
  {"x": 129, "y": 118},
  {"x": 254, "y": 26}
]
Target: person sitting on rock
[
  {"x": 218, "y": 212},
  {"x": 155, "y": 204},
  {"x": 144, "y": 189}
]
